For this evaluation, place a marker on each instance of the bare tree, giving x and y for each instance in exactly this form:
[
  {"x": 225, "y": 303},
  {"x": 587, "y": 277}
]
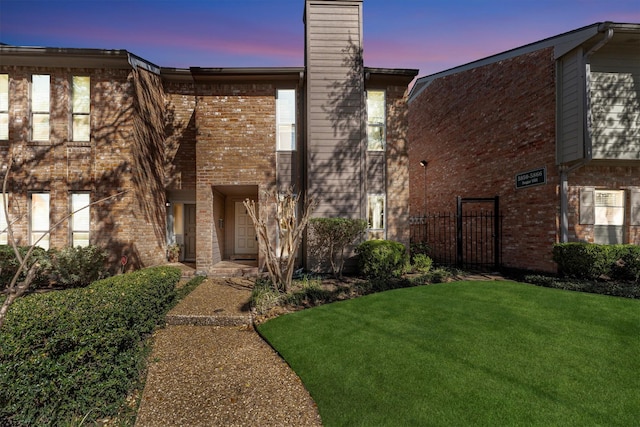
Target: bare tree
[
  {"x": 15, "y": 289},
  {"x": 280, "y": 255}
]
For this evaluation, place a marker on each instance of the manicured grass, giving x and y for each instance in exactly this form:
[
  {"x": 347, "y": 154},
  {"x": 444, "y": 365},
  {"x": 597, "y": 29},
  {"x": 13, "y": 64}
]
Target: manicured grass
[{"x": 468, "y": 353}]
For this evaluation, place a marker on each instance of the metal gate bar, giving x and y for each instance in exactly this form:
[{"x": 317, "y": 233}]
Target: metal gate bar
[{"x": 469, "y": 239}]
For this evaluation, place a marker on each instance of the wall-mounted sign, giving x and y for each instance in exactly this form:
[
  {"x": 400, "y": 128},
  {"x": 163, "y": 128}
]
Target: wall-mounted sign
[{"x": 531, "y": 178}]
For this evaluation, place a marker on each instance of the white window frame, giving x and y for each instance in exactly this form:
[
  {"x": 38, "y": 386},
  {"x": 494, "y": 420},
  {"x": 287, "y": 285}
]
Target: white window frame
[
  {"x": 80, "y": 221},
  {"x": 4, "y": 232},
  {"x": 376, "y": 222},
  {"x": 609, "y": 207},
  {"x": 39, "y": 219},
  {"x": 286, "y": 112},
  {"x": 609, "y": 216},
  {"x": 40, "y": 107},
  {"x": 376, "y": 124},
  {"x": 81, "y": 108},
  {"x": 4, "y": 107}
]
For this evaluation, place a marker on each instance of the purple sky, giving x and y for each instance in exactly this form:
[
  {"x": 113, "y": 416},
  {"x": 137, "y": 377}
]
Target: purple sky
[{"x": 431, "y": 35}]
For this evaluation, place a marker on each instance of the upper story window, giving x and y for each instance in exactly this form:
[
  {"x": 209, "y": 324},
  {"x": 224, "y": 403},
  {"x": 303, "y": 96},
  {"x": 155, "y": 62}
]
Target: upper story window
[
  {"x": 81, "y": 108},
  {"x": 40, "y": 106},
  {"x": 80, "y": 219},
  {"x": 376, "y": 120},
  {"x": 4, "y": 106},
  {"x": 39, "y": 221},
  {"x": 286, "y": 119}
]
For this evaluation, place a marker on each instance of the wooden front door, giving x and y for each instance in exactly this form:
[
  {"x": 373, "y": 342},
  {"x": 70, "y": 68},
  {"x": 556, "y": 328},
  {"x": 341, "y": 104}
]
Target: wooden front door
[
  {"x": 245, "y": 233},
  {"x": 189, "y": 232}
]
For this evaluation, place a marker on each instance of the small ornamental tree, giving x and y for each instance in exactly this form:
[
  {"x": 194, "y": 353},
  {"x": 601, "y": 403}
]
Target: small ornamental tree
[
  {"x": 280, "y": 255},
  {"x": 331, "y": 236}
]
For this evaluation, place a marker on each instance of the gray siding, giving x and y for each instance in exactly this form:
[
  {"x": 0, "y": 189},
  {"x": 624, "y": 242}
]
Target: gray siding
[
  {"x": 615, "y": 103},
  {"x": 570, "y": 108},
  {"x": 335, "y": 106}
]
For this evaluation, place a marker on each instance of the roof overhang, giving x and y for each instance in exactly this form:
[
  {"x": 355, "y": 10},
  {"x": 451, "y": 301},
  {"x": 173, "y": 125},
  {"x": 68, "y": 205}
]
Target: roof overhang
[
  {"x": 249, "y": 74},
  {"x": 72, "y": 58},
  {"x": 389, "y": 76},
  {"x": 561, "y": 44}
]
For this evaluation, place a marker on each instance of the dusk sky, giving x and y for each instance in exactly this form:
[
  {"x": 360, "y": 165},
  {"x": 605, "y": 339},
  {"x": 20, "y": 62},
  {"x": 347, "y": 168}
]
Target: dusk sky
[{"x": 431, "y": 35}]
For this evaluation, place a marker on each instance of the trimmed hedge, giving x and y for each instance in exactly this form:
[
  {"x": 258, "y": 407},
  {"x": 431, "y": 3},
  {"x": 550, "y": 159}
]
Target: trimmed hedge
[
  {"x": 593, "y": 261},
  {"x": 66, "y": 354},
  {"x": 382, "y": 259}
]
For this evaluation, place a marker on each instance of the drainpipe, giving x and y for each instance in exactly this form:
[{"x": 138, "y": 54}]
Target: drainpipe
[{"x": 565, "y": 170}]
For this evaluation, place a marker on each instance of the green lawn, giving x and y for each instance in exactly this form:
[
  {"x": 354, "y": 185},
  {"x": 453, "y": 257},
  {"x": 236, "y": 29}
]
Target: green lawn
[{"x": 468, "y": 353}]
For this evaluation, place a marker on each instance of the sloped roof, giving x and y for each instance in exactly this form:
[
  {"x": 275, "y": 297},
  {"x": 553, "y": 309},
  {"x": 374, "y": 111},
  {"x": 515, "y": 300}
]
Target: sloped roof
[
  {"x": 72, "y": 57},
  {"x": 561, "y": 44}
]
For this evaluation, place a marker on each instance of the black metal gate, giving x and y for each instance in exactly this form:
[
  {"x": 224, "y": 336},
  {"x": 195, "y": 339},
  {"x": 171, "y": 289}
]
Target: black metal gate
[{"x": 468, "y": 238}]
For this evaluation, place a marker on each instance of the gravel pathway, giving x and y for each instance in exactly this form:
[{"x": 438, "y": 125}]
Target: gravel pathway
[{"x": 208, "y": 375}]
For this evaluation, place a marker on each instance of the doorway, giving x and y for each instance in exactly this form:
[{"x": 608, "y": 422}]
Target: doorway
[
  {"x": 190, "y": 232},
  {"x": 245, "y": 240}
]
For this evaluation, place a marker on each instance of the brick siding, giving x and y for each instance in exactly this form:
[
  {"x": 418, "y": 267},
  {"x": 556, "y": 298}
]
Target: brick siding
[{"x": 477, "y": 130}]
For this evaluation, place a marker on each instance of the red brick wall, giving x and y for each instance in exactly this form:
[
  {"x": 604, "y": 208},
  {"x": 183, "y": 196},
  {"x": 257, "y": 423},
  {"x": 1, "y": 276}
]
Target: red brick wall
[
  {"x": 397, "y": 171},
  {"x": 235, "y": 146},
  {"x": 149, "y": 215},
  {"x": 180, "y": 136},
  {"x": 477, "y": 130}
]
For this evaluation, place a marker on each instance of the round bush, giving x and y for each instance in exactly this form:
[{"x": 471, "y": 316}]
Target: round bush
[{"x": 382, "y": 259}]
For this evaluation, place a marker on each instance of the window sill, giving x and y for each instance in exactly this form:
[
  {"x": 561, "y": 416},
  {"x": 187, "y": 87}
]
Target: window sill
[
  {"x": 79, "y": 143},
  {"x": 39, "y": 143}
]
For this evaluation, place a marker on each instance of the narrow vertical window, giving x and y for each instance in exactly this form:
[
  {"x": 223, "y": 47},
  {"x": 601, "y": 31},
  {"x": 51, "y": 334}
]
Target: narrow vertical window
[
  {"x": 609, "y": 217},
  {"x": 81, "y": 107},
  {"x": 286, "y": 119},
  {"x": 40, "y": 105},
  {"x": 376, "y": 120},
  {"x": 375, "y": 211},
  {"x": 3, "y": 220},
  {"x": 80, "y": 219},
  {"x": 4, "y": 106},
  {"x": 40, "y": 220}
]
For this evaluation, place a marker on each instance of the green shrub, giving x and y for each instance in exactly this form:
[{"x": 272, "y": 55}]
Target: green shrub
[
  {"x": 307, "y": 291},
  {"x": 9, "y": 265},
  {"x": 593, "y": 261},
  {"x": 65, "y": 354},
  {"x": 627, "y": 265},
  {"x": 382, "y": 259},
  {"x": 613, "y": 288},
  {"x": 419, "y": 248},
  {"x": 79, "y": 266},
  {"x": 331, "y": 236},
  {"x": 421, "y": 263},
  {"x": 263, "y": 296},
  {"x": 440, "y": 275}
]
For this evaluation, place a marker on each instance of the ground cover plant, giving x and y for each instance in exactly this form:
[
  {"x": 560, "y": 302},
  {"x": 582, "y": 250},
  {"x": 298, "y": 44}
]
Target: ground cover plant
[
  {"x": 467, "y": 353},
  {"x": 73, "y": 356}
]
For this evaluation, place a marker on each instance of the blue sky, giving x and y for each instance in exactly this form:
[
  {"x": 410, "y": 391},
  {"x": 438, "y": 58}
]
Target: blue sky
[{"x": 431, "y": 35}]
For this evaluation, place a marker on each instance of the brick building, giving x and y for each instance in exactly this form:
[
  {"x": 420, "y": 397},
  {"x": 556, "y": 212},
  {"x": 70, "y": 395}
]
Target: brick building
[
  {"x": 174, "y": 152},
  {"x": 551, "y": 128}
]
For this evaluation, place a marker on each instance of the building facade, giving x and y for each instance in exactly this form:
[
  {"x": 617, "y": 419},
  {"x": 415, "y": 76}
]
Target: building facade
[
  {"x": 551, "y": 128},
  {"x": 167, "y": 156}
]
